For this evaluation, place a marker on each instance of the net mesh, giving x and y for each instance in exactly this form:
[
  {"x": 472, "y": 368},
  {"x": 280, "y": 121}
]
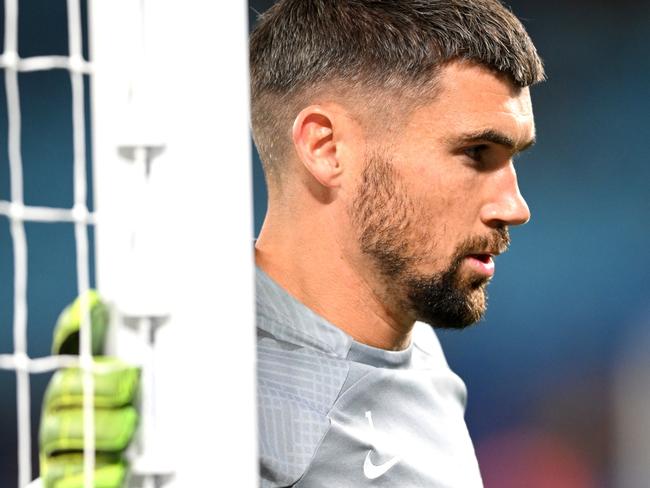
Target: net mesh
[
  {"x": 19, "y": 214},
  {"x": 198, "y": 141}
]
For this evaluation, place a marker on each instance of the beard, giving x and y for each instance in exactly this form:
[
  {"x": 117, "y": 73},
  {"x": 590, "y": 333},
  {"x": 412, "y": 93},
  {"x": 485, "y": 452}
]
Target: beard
[{"x": 393, "y": 233}]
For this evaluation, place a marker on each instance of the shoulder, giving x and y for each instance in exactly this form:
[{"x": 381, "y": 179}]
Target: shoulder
[{"x": 297, "y": 387}]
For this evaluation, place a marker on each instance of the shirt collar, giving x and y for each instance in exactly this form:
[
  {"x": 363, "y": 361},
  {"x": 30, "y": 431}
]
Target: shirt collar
[{"x": 285, "y": 318}]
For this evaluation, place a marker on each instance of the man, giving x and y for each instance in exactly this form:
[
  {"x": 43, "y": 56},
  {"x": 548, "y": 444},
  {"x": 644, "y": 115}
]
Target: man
[{"x": 387, "y": 131}]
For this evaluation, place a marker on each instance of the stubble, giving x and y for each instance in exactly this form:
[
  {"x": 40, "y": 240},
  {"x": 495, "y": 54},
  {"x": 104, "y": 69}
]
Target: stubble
[{"x": 396, "y": 238}]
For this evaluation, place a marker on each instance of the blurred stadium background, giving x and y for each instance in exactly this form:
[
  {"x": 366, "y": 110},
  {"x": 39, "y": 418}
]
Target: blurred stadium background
[{"x": 558, "y": 374}]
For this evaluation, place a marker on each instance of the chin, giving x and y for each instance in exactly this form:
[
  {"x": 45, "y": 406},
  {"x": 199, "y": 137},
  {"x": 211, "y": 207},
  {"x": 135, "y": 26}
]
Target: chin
[
  {"x": 457, "y": 321},
  {"x": 455, "y": 310}
]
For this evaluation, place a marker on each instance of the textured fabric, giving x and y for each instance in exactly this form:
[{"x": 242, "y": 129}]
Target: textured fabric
[{"x": 337, "y": 413}]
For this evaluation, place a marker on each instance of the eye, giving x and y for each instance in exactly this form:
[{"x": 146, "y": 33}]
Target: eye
[{"x": 476, "y": 153}]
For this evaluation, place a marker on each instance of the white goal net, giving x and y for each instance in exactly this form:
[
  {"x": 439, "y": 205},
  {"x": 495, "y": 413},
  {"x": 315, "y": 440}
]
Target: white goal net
[{"x": 173, "y": 225}]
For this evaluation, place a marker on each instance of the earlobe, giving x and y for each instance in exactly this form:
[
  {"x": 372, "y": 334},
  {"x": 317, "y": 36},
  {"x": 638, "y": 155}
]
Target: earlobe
[{"x": 315, "y": 144}]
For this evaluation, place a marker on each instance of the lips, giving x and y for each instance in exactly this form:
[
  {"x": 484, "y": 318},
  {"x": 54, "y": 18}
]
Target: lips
[
  {"x": 481, "y": 263},
  {"x": 479, "y": 252},
  {"x": 484, "y": 258}
]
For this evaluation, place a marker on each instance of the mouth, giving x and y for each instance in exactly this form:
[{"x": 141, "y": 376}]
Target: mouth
[{"x": 482, "y": 263}]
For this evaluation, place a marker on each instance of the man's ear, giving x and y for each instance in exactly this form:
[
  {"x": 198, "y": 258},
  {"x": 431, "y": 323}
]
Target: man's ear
[{"x": 314, "y": 139}]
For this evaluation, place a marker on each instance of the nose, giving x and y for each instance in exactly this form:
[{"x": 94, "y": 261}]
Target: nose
[{"x": 505, "y": 204}]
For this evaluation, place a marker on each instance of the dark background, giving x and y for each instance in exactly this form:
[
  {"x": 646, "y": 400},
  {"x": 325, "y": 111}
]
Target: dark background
[{"x": 570, "y": 296}]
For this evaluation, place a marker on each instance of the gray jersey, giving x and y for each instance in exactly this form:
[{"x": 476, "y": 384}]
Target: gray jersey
[{"x": 337, "y": 413}]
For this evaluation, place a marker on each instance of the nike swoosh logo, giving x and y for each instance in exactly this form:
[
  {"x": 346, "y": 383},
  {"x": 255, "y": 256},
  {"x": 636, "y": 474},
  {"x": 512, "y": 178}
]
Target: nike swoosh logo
[{"x": 373, "y": 471}]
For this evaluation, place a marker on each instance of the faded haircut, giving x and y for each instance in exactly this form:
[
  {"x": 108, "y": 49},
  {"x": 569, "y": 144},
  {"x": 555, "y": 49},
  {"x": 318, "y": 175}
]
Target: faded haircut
[{"x": 301, "y": 48}]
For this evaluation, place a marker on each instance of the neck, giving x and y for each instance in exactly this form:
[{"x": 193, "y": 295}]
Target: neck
[{"x": 306, "y": 257}]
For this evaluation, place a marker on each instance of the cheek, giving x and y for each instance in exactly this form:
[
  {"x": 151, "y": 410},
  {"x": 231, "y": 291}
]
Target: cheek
[
  {"x": 447, "y": 207},
  {"x": 447, "y": 193}
]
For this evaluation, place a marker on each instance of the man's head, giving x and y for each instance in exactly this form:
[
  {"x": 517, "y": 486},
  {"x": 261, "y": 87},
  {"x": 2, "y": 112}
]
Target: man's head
[
  {"x": 402, "y": 118},
  {"x": 370, "y": 49}
]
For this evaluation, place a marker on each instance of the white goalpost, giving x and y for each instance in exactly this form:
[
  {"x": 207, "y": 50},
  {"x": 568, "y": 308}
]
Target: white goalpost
[
  {"x": 173, "y": 189},
  {"x": 173, "y": 225}
]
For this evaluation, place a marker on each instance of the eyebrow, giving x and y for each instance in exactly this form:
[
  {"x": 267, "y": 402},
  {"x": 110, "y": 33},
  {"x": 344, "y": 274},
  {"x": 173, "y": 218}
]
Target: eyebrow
[{"x": 495, "y": 137}]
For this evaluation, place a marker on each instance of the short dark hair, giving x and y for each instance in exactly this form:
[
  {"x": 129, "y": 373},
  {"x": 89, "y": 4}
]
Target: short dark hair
[{"x": 301, "y": 46}]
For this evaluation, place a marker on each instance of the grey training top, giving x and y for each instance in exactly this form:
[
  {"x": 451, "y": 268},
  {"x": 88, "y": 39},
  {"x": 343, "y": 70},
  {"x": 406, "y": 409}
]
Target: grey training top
[{"x": 336, "y": 413}]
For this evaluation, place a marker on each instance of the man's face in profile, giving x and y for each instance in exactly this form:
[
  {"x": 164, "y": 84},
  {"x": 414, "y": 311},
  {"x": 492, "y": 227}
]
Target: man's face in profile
[{"x": 434, "y": 203}]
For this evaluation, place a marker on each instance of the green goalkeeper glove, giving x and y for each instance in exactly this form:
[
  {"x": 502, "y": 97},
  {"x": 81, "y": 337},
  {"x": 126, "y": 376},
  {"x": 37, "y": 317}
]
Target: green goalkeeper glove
[{"x": 61, "y": 433}]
